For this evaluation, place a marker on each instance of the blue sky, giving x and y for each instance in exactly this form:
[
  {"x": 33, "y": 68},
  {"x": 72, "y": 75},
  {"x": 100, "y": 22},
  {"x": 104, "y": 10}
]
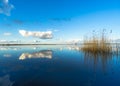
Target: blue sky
[{"x": 66, "y": 19}]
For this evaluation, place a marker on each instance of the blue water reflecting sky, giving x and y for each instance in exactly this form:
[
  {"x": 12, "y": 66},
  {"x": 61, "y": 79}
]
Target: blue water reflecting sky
[{"x": 56, "y": 66}]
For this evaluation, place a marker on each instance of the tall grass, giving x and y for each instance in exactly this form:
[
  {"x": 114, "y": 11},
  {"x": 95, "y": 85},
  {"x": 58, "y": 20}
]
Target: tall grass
[
  {"x": 99, "y": 48},
  {"x": 98, "y": 44}
]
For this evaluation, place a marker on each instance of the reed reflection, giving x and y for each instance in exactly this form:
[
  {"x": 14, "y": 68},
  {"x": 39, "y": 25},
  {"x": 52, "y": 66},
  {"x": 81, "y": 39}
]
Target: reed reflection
[
  {"x": 97, "y": 59},
  {"x": 102, "y": 60},
  {"x": 41, "y": 54}
]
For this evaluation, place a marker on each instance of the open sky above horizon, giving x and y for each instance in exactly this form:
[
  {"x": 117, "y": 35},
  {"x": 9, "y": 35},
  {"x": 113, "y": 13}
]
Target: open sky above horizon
[{"x": 66, "y": 19}]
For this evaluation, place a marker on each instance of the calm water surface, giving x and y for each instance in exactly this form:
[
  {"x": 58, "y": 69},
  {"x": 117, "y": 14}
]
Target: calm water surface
[{"x": 56, "y": 66}]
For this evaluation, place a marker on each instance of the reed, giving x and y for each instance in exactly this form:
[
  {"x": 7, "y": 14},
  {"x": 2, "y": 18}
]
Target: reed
[{"x": 98, "y": 44}]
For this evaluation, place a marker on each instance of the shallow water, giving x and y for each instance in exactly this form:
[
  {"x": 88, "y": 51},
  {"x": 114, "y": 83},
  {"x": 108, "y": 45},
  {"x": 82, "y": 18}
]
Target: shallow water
[{"x": 56, "y": 66}]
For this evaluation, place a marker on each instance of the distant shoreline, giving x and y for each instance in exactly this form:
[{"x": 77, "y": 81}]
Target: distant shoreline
[
  {"x": 43, "y": 44},
  {"x": 31, "y": 44}
]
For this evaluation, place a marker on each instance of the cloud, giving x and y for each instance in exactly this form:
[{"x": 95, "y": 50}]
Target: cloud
[
  {"x": 37, "y": 34},
  {"x": 5, "y": 7},
  {"x": 7, "y": 34}
]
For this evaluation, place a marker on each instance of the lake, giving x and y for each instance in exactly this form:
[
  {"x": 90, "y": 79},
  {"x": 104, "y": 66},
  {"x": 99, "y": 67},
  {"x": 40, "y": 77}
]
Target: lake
[{"x": 56, "y": 65}]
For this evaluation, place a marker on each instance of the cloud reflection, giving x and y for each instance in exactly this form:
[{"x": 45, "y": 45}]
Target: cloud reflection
[
  {"x": 74, "y": 48},
  {"x": 7, "y": 55},
  {"x": 9, "y": 48},
  {"x": 5, "y": 81},
  {"x": 41, "y": 54}
]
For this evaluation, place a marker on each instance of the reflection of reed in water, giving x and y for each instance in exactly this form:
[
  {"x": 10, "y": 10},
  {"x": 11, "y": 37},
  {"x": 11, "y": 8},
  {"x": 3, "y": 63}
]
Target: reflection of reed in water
[
  {"x": 41, "y": 54},
  {"x": 97, "y": 59}
]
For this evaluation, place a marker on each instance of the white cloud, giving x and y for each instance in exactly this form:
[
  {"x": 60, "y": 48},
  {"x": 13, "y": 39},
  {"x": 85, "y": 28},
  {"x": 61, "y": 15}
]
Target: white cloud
[
  {"x": 37, "y": 34},
  {"x": 5, "y": 7},
  {"x": 7, "y": 34}
]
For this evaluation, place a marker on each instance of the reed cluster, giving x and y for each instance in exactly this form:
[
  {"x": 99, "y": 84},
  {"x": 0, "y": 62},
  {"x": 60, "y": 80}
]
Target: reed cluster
[{"x": 99, "y": 44}]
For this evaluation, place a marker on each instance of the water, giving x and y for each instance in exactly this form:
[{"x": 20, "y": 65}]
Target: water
[{"x": 56, "y": 66}]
